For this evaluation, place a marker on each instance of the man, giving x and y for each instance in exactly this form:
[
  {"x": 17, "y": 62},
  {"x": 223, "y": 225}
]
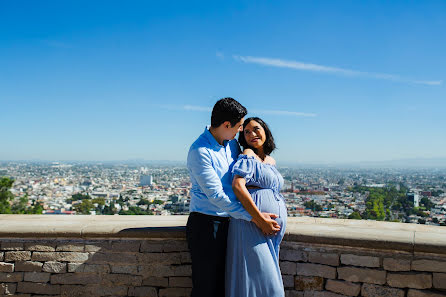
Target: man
[{"x": 210, "y": 161}]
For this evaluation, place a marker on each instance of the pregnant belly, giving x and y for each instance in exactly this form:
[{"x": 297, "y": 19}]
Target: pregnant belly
[{"x": 265, "y": 201}]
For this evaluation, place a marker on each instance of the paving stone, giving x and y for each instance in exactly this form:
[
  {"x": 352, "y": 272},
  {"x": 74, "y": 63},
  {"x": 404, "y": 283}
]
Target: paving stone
[
  {"x": 419, "y": 293},
  {"x": 364, "y": 275},
  {"x": 309, "y": 269},
  {"x": 369, "y": 290},
  {"x": 308, "y": 283},
  {"x": 180, "y": 282},
  {"x": 143, "y": 291},
  {"x": 287, "y": 267},
  {"x": 6, "y": 267},
  {"x": 38, "y": 288},
  {"x": 17, "y": 256},
  {"x": 391, "y": 264},
  {"x": 342, "y": 287},
  {"x": 12, "y": 277},
  {"x": 156, "y": 281},
  {"x": 293, "y": 255},
  {"x": 439, "y": 280},
  {"x": 28, "y": 266},
  {"x": 410, "y": 280},
  {"x": 429, "y": 265},
  {"x": 324, "y": 258},
  {"x": 36, "y": 277},
  {"x": 55, "y": 267},
  {"x": 355, "y": 260},
  {"x": 175, "y": 292}
]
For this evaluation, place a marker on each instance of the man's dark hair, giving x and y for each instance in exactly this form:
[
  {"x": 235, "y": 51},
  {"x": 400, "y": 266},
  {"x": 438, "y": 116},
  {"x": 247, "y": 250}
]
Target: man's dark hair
[
  {"x": 268, "y": 147},
  {"x": 227, "y": 109}
]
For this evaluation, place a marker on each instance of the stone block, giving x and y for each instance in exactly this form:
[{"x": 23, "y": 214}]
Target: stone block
[
  {"x": 96, "y": 246},
  {"x": 160, "y": 270},
  {"x": 143, "y": 291},
  {"x": 36, "y": 277},
  {"x": 391, "y": 264},
  {"x": 92, "y": 290},
  {"x": 126, "y": 269},
  {"x": 75, "y": 279},
  {"x": 293, "y": 255},
  {"x": 309, "y": 269},
  {"x": 175, "y": 292},
  {"x": 6, "y": 267},
  {"x": 410, "y": 280},
  {"x": 2, "y": 254},
  {"x": 55, "y": 267},
  {"x": 70, "y": 247},
  {"x": 288, "y": 281},
  {"x": 40, "y": 246},
  {"x": 7, "y": 288},
  {"x": 321, "y": 294},
  {"x": 38, "y": 288},
  {"x": 17, "y": 256},
  {"x": 364, "y": 275},
  {"x": 126, "y": 246},
  {"x": 109, "y": 258},
  {"x": 11, "y": 246},
  {"x": 287, "y": 267},
  {"x": 293, "y": 293},
  {"x": 429, "y": 265},
  {"x": 166, "y": 258},
  {"x": 369, "y": 290},
  {"x": 323, "y": 258},
  {"x": 185, "y": 258},
  {"x": 156, "y": 281},
  {"x": 342, "y": 287},
  {"x": 88, "y": 268},
  {"x": 355, "y": 260},
  {"x": 151, "y": 246},
  {"x": 121, "y": 279},
  {"x": 419, "y": 293},
  {"x": 60, "y": 256},
  {"x": 180, "y": 282},
  {"x": 439, "y": 280},
  {"x": 183, "y": 270},
  {"x": 308, "y": 283},
  {"x": 175, "y": 246},
  {"x": 12, "y": 277},
  {"x": 28, "y": 266}
]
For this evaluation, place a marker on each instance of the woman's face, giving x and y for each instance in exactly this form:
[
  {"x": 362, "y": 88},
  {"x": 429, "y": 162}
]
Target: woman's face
[{"x": 254, "y": 134}]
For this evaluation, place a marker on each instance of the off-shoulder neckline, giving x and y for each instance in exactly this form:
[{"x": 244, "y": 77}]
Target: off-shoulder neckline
[{"x": 243, "y": 156}]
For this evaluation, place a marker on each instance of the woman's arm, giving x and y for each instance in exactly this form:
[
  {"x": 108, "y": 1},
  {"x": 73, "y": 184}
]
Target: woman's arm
[{"x": 263, "y": 220}]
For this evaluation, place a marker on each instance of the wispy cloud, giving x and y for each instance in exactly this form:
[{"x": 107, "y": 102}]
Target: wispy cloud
[
  {"x": 255, "y": 111},
  {"x": 328, "y": 69}
]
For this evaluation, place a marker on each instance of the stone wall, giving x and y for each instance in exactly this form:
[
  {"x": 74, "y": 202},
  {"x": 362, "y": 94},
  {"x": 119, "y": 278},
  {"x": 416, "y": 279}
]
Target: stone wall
[{"x": 148, "y": 256}]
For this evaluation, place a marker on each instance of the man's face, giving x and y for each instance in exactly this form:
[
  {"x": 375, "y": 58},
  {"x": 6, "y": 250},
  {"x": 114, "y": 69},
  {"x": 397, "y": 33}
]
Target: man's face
[{"x": 231, "y": 132}]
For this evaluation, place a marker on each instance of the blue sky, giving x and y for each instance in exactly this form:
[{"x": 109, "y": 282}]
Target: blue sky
[{"x": 337, "y": 81}]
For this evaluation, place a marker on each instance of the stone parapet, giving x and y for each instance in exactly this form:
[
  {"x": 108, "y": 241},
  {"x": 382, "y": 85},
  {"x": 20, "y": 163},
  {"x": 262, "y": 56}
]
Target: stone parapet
[{"x": 148, "y": 256}]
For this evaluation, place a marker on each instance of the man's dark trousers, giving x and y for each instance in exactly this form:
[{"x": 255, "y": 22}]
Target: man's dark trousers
[{"x": 207, "y": 237}]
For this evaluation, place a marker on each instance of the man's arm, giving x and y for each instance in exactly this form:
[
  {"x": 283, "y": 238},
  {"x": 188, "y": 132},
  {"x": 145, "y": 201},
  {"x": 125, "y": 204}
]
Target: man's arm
[{"x": 200, "y": 165}]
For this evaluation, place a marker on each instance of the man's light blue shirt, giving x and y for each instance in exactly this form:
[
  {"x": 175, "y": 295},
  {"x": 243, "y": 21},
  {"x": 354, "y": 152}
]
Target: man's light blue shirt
[{"x": 210, "y": 166}]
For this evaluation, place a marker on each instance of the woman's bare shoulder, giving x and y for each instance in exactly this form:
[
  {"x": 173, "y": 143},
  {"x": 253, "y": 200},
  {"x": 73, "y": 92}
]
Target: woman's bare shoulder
[
  {"x": 270, "y": 160},
  {"x": 249, "y": 152}
]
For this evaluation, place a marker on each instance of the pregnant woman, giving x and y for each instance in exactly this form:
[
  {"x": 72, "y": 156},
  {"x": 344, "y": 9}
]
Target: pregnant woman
[{"x": 252, "y": 261}]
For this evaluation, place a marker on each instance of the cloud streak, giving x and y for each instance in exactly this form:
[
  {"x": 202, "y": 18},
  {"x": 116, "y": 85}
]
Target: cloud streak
[
  {"x": 328, "y": 69},
  {"x": 255, "y": 111}
]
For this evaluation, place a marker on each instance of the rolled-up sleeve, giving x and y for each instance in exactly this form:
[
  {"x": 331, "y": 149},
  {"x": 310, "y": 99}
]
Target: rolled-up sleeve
[{"x": 200, "y": 166}]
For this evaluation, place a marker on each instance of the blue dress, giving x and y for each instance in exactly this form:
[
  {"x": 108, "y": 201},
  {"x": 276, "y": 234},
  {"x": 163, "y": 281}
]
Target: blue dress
[{"x": 252, "y": 260}]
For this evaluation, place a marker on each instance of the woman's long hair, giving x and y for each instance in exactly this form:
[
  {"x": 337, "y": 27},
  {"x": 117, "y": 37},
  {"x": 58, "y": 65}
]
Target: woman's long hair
[{"x": 268, "y": 147}]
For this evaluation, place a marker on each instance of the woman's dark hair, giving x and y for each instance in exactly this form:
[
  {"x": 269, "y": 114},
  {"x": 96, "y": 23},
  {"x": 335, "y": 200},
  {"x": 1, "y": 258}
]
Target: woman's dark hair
[
  {"x": 227, "y": 109},
  {"x": 268, "y": 147}
]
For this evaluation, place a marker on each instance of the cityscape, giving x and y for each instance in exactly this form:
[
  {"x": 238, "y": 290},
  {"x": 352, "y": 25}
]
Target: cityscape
[{"x": 138, "y": 188}]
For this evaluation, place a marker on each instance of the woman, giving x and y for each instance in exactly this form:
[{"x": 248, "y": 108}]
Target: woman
[{"x": 252, "y": 262}]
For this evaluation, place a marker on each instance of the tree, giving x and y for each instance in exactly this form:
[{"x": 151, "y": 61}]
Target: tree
[
  {"x": 5, "y": 195},
  {"x": 355, "y": 216}
]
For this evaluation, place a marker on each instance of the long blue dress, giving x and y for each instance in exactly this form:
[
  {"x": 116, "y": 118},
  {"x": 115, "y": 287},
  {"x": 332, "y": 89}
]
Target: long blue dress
[{"x": 252, "y": 260}]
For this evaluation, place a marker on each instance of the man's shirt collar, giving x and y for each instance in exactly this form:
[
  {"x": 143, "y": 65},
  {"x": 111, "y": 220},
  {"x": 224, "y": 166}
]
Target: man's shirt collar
[{"x": 212, "y": 141}]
